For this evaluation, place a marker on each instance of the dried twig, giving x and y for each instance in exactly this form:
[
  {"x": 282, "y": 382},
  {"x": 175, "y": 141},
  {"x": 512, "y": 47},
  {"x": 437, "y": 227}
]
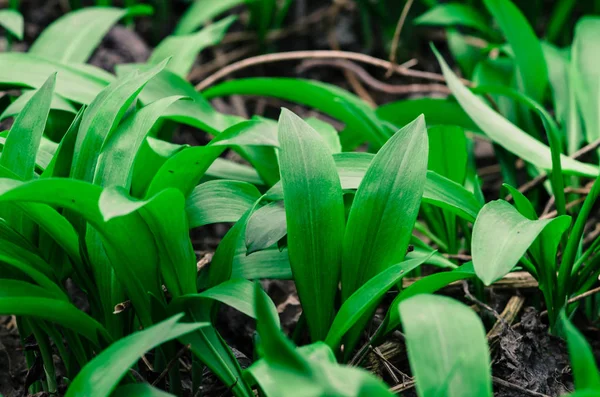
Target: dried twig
[
  {"x": 295, "y": 55},
  {"x": 512, "y": 308},
  {"x": 396, "y": 38},
  {"x": 512, "y": 386},
  {"x": 371, "y": 81},
  {"x": 171, "y": 363},
  {"x": 538, "y": 180}
]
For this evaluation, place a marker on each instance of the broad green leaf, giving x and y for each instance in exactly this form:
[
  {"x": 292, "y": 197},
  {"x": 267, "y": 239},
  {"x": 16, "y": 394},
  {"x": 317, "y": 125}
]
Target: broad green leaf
[
  {"x": 315, "y": 219},
  {"x": 447, "y": 347},
  {"x": 227, "y": 169},
  {"x": 60, "y": 165},
  {"x": 219, "y": 201},
  {"x": 255, "y": 132},
  {"x": 198, "y": 113},
  {"x": 452, "y": 14},
  {"x": 101, "y": 118},
  {"x": 533, "y": 72},
  {"x": 12, "y": 21},
  {"x": 133, "y": 259},
  {"x": 74, "y": 37},
  {"x": 385, "y": 207},
  {"x": 448, "y": 152},
  {"x": 270, "y": 263},
  {"x": 29, "y": 71},
  {"x": 140, "y": 390},
  {"x": 101, "y": 375},
  {"x": 23, "y": 299},
  {"x": 266, "y": 226},
  {"x": 436, "y": 111},
  {"x": 583, "y": 363},
  {"x": 522, "y": 203},
  {"x": 185, "y": 49},
  {"x": 426, "y": 285},
  {"x": 327, "y": 132},
  {"x": 363, "y": 301},
  {"x": 236, "y": 293},
  {"x": 184, "y": 170},
  {"x": 116, "y": 160},
  {"x": 23, "y": 141},
  {"x": 586, "y": 79},
  {"x": 58, "y": 103},
  {"x": 506, "y": 134},
  {"x": 167, "y": 221},
  {"x": 201, "y": 11},
  {"x": 501, "y": 236},
  {"x": 327, "y": 98},
  {"x": 285, "y": 370}
]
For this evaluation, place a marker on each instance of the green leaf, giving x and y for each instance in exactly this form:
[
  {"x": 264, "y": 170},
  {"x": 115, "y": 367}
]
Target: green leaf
[
  {"x": 533, "y": 72},
  {"x": 327, "y": 98},
  {"x": 586, "y": 78},
  {"x": 385, "y": 207},
  {"x": 74, "y": 37},
  {"x": 448, "y": 152},
  {"x": 102, "y": 117},
  {"x": 284, "y": 370},
  {"x": 365, "y": 299},
  {"x": 20, "y": 298},
  {"x": 522, "y": 203},
  {"x": 101, "y": 375},
  {"x": 197, "y": 113},
  {"x": 219, "y": 201},
  {"x": 184, "y": 170},
  {"x": 426, "y": 285},
  {"x": 23, "y": 141},
  {"x": 436, "y": 111},
  {"x": 185, "y": 49},
  {"x": 447, "y": 347},
  {"x": 506, "y": 134},
  {"x": 266, "y": 226},
  {"x": 315, "y": 219},
  {"x": 452, "y": 14},
  {"x": 235, "y": 293},
  {"x": 201, "y": 12},
  {"x": 501, "y": 236},
  {"x": 116, "y": 160},
  {"x": 25, "y": 70},
  {"x": 583, "y": 362},
  {"x": 58, "y": 103},
  {"x": 166, "y": 219},
  {"x": 12, "y": 21}
]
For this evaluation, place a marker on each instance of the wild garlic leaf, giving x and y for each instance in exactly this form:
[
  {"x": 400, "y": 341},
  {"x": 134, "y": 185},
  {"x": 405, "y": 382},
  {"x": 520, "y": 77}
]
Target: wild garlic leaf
[
  {"x": 447, "y": 347},
  {"x": 501, "y": 236},
  {"x": 583, "y": 363},
  {"x": 102, "y": 374},
  {"x": 74, "y": 37},
  {"x": 506, "y": 134},
  {"x": 315, "y": 219},
  {"x": 185, "y": 49},
  {"x": 12, "y": 21},
  {"x": 385, "y": 207}
]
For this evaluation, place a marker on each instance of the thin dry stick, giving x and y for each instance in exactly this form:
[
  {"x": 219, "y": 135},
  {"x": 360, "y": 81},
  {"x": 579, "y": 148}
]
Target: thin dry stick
[
  {"x": 568, "y": 206},
  {"x": 171, "y": 363},
  {"x": 512, "y": 308},
  {"x": 372, "y": 81},
  {"x": 403, "y": 386},
  {"x": 476, "y": 301},
  {"x": 542, "y": 178},
  {"x": 293, "y": 55},
  {"x": 396, "y": 38},
  {"x": 512, "y": 386},
  {"x": 386, "y": 364}
]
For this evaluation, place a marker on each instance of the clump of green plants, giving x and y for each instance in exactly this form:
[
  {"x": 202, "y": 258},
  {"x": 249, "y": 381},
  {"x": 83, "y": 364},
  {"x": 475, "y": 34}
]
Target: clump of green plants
[{"x": 93, "y": 193}]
